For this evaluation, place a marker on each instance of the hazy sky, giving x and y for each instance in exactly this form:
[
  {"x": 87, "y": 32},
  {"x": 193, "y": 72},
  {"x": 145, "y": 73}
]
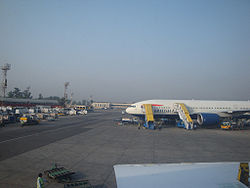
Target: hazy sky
[{"x": 130, "y": 50}]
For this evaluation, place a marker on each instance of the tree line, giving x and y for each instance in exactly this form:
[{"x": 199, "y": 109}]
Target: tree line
[
  {"x": 26, "y": 94},
  {"x": 19, "y": 94}
]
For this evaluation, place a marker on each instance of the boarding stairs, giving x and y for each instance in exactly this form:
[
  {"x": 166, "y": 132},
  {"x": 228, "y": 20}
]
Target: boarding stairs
[
  {"x": 149, "y": 116},
  {"x": 184, "y": 115}
]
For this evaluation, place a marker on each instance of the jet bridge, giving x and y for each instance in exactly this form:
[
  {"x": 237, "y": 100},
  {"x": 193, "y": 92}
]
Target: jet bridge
[
  {"x": 149, "y": 116},
  {"x": 184, "y": 115}
]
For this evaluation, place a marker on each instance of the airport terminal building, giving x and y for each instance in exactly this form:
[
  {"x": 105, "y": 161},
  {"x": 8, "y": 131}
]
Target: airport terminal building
[
  {"x": 108, "y": 105},
  {"x": 101, "y": 105}
]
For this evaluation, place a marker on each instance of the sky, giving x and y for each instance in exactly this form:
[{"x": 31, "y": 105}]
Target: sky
[{"x": 128, "y": 51}]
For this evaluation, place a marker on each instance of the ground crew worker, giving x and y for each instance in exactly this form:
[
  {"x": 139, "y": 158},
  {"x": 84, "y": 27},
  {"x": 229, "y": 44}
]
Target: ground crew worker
[
  {"x": 139, "y": 124},
  {"x": 1, "y": 121},
  {"x": 40, "y": 181}
]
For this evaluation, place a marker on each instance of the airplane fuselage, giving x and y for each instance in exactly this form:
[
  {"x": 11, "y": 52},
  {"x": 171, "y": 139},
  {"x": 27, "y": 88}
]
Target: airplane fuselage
[{"x": 167, "y": 107}]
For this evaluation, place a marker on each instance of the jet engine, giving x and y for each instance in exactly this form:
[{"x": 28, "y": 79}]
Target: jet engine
[{"x": 206, "y": 119}]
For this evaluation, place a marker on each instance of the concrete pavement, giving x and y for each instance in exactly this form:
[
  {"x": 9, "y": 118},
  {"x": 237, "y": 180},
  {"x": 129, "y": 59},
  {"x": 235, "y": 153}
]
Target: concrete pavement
[{"x": 92, "y": 144}]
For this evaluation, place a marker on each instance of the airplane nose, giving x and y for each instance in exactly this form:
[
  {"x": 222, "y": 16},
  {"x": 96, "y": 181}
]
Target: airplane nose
[{"x": 127, "y": 110}]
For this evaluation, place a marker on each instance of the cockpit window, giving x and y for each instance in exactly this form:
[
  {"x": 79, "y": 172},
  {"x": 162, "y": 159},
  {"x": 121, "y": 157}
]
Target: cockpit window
[{"x": 133, "y": 106}]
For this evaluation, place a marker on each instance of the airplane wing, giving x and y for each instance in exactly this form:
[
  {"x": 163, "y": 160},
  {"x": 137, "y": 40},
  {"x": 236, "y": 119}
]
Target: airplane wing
[{"x": 188, "y": 175}]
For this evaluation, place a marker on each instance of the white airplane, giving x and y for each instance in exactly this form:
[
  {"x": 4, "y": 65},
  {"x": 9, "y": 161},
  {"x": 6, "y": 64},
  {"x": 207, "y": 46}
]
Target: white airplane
[{"x": 206, "y": 112}]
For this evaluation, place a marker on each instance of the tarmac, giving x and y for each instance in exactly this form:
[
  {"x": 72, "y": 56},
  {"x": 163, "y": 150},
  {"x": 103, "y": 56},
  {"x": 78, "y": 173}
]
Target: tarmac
[{"x": 91, "y": 145}]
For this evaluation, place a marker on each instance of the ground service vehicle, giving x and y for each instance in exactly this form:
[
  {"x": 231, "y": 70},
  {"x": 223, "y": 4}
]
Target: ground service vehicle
[
  {"x": 226, "y": 125},
  {"x": 29, "y": 120}
]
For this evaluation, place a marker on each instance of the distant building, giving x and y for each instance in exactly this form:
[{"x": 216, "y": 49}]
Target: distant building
[
  {"x": 107, "y": 105},
  {"x": 120, "y": 105},
  {"x": 27, "y": 102},
  {"x": 101, "y": 105}
]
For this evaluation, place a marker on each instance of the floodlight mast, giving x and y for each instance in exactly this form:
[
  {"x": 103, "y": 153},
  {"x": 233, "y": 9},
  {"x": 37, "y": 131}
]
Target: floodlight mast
[
  {"x": 66, "y": 84},
  {"x": 5, "y": 68}
]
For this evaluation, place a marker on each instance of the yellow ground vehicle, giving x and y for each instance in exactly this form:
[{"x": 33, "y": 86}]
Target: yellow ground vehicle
[
  {"x": 226, "y": 125},
  {"x": 29, "y": 120},
  {"x": 61, "y": 114}
]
